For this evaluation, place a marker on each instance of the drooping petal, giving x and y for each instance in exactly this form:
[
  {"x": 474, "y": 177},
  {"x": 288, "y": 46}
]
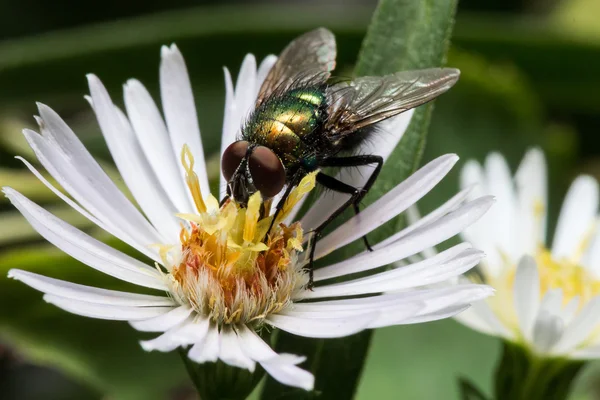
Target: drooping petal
[
  {"x": 180, "y": 112},
  {"x": 577, "y": 218},
  {"x": 185, "y": 333},
  {"x": 231, "y": 351},
  {"x": 163, "y": 322},
  {"x": 207, "y": 349},
  {"x": 280, "y": 366}
]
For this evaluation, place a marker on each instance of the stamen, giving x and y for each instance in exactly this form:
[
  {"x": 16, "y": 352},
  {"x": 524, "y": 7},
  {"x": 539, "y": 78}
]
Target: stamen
[
  {"x": 187, "y": 160},
  {"x": 252, "y": 215},
  {"x": 306, "y": 185}
]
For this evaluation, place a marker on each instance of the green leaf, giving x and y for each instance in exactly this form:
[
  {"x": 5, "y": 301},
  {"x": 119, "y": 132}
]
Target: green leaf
[
  {"x": 403, "y": 35},
  {"x": 469, "y": 391}
]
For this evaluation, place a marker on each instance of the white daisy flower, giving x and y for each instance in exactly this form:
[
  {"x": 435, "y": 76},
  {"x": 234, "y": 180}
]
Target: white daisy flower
[
  {"x": 217, "y": 281},
  {"x": 547, "y": 296}
]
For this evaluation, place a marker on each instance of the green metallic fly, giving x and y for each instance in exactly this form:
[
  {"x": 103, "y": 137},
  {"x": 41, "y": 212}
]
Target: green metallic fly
[{"x": 302, "y": 122}]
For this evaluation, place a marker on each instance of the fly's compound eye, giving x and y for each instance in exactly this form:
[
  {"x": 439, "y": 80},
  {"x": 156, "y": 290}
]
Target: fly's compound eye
[
  {"x": 267, "y": 171},
  {"x": 232, "y": 157}
]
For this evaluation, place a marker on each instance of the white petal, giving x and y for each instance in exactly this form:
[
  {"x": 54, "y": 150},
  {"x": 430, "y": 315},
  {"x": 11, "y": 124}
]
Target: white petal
[
  {"x": 87, "y": 293},
  {"x": 443, "y": 313},
  {"x": 382, "y": 144},
  {"x": 90, "y": 189},
  {"x": 208, "y": 349},
  {"x": 230, "y": 125},
  {"x": 532, "y": 194},
  {"x": 132, "y": 165},
  {"x": 547, "y": 330},
  {"x": 153, "y": 137},
  {"x": 591, "y": 257},
  {"x": 83, "y": 247},
  {"x": 415, "y": 275},
  {"x": 322, "y": 328},
  {"x": 526, "y": 291},
  {"x": 77, "y": 169},
  {"x": 481, "y": 317},
  {"x": 427, "y": 236},
  {"x": 245, "y": 88},
  {"x": 280, "y": 367},
  {"x": 388, "y": 206},
  {"x": 63, "y": 197},
  {"x": 581, "y": 327},
  {"x": 231, "y": 352},
  {"x": 180, "y": 111},
  {"x": 478, "y": 234},
  {"x": 103, "y": 311},
  {"x": 576, "y": 219},
  {"x": 163, "y": 322},
  {"x": 263, "y": 70},
  {"x": 183, "y": 334},
  {"x": 472, "y": 320},
  {"x": 586, "y": 353},
  {"x": 503, "y": 216},
  {"x": 416, "y": 221}
]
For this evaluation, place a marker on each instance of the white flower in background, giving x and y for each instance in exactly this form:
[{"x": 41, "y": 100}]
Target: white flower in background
[
  {"x": 547, "y": 297},
  {"x": 219, "y": 283}
]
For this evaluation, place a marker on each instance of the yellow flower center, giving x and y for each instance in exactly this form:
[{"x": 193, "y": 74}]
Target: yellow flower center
[
  {"x": 228, "y": 266},
  {"x": 573, "y": 279}
]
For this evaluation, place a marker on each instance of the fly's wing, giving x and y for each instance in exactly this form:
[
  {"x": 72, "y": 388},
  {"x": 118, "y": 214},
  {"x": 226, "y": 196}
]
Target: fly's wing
[
  {"x": 308, "y": 59},
  {"x": 370, "y": 99}
]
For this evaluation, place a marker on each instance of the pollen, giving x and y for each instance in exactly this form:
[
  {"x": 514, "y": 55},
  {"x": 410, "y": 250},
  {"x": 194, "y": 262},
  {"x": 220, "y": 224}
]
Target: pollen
[
  {"x": 574, "y": 280},
  {"x": 228, "y": 267}
]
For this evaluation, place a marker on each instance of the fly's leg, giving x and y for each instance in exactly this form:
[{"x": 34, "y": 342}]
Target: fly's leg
[
  {"x": 356, "y": 195},
  {"x": 293, "y": 183}
]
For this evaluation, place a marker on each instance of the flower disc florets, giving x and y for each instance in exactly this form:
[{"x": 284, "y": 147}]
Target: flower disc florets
[{"x": 228, "y": 266}]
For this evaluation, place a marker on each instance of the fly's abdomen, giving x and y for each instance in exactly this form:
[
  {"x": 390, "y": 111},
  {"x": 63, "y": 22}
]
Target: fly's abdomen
[{"x": 284, "y": 122}]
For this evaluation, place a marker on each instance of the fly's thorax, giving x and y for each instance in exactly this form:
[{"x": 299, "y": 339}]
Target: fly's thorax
[{"x": 284, "y": 123}]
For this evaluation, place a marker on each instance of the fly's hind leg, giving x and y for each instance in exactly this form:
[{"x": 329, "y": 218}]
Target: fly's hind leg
[{"x": 356, "y": 194}]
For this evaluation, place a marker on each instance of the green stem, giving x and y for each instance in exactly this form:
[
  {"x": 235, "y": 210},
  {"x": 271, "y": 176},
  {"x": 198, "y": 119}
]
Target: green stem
[
  {"x": 189, "y": 367},
  {"x": 523, "y": 375}
]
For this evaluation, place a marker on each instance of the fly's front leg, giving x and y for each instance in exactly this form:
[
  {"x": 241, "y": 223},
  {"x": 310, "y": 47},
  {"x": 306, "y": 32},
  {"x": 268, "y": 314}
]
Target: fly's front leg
[{"x": 293, "y": 183}]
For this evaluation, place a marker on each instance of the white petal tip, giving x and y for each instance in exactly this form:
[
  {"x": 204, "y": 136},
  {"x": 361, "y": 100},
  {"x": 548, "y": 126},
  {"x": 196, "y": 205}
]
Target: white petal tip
[
  {"x": 13, "y": 274},
  {"x": 169, "y": 51}
]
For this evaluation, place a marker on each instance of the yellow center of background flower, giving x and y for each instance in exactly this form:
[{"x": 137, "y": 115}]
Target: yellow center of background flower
[
  {"x": 228, "y": 267},
  {"x": 575, "y": 281}
]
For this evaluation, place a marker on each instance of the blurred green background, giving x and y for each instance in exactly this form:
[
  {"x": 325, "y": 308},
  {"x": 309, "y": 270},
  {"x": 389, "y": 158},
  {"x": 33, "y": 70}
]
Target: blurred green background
[{"x": 530, "y": 76}]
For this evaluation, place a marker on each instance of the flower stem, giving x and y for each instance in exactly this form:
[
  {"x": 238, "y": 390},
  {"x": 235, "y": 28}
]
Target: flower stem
[{"x": 523, "y": 375}]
